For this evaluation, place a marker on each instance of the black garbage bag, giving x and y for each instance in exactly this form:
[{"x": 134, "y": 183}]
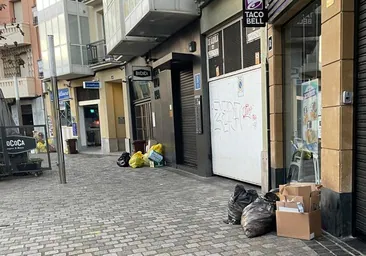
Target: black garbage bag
[
  {"x": 259, "y": 217},
  {"x": 124, "y": 159},
  {"x": 238, "y": 201}
]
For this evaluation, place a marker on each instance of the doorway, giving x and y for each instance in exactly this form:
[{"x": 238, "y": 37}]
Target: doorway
[{"x": 89, "y": 125}]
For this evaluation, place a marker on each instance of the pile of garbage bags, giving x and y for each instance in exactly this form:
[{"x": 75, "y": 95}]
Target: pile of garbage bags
[
  {"x": 256, "y": 214},
  {"x": 154, "y": 156}
]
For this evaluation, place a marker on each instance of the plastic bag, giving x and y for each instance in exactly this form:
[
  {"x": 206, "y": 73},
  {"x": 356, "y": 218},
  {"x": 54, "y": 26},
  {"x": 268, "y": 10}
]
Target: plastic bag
[
  {"x": 238, "y": 201},
  {"x": 259, "y": 217},
  {"x": 158, "y": 148},
  {"x": 124, "y": 159},
  {"x": 137, "y": 160},
  {"x": 146, "y": 159}
]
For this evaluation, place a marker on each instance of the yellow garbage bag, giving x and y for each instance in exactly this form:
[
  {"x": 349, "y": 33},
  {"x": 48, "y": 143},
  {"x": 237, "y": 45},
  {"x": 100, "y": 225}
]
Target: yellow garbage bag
[
  {"x": 146, "y": 159},
  {"x": 158, "y": 148},
  {"x": 137, "y": 160}
]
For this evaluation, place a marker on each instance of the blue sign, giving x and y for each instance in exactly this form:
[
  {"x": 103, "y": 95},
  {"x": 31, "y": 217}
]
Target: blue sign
[
  {"x": 197, "y": 81},
  {"x": 91, "y": 85},
  {"x": 74, "y": 129},
  {"x": 63, "y": 94}
]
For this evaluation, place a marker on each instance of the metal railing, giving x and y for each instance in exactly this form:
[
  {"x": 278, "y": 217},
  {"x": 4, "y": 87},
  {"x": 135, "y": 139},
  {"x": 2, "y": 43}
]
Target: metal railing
[{"x": 97, "y": 52}]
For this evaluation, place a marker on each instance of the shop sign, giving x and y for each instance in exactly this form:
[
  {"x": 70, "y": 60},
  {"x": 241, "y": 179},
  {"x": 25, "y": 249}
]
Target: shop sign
[
  {"x": 254, "y": 13},
  {"x": 16, "y": 144},
  {"x": 213, "y": 49},
  {"x": 63, "y": 95},
  {"x": 141, "y": 73},
  {"x": 91, "y": 85}
]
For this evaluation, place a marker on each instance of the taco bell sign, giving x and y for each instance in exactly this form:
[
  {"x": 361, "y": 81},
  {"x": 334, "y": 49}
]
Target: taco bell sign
[{"x": 254, "y": 13}]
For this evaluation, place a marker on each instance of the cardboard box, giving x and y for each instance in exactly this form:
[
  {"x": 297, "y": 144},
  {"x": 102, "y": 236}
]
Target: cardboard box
[
  {"x": 309, "y": 193},
  {"x": 294, "y": 205},
  {"x": 299, "y": 225}
]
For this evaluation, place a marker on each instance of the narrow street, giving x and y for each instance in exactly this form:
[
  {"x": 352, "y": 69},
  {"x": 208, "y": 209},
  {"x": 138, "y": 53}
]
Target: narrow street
[{"x": 106, "y": 210}]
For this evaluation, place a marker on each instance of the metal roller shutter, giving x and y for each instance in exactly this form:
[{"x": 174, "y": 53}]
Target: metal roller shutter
[
  {"x": 360, "y": 101},
  {"x": 188, "y": 121}
]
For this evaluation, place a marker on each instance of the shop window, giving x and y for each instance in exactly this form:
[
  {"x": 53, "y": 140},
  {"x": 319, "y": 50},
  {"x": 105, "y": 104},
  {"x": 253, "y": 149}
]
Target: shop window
[
  {"x": 302, "y": 95},
  {"x": 65, "y": 113},
  {"x": 141, "y": 90},
  {"x": 232, "y": 48},
  {"x": 215, "y": 56},
  {"x": 251, "y": 47},
  {"x": 87, "y": 94}
]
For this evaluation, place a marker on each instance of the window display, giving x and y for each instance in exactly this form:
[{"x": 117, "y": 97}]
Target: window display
[{"x": 302, "y": 95}]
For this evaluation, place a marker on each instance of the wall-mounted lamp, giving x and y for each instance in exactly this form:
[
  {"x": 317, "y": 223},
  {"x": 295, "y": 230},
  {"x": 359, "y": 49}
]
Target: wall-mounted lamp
[{"x": 192, "y": 46}]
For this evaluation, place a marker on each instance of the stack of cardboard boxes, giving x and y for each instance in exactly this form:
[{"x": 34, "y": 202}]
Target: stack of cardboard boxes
[{"x": 298, "y": 213}]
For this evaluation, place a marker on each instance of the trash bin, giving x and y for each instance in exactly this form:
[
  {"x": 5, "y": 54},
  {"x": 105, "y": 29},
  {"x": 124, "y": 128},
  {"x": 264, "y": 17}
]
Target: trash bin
[
  {"x": 71, "y": 146},
  {"x": 139, "y": 145}
]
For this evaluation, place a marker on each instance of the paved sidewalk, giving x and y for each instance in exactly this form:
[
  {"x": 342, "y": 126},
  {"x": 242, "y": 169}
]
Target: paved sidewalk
[{"x": 106, "y": 210}]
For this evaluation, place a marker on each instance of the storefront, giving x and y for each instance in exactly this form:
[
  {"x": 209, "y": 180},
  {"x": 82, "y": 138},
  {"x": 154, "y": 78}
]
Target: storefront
[
  {"x": 310, "y": 120},
  {"x": 237, "y": 93}
]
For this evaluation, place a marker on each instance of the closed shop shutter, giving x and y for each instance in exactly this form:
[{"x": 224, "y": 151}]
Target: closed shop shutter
[
  {"x": 188, "y": 121},
  {"x": 360, "y": 172}
]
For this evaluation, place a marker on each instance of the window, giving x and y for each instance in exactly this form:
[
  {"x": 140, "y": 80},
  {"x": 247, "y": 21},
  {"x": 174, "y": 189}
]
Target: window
[
  {"x": 251, "y": 46},
  {"x": 18, "y": 11},
  {"x": 214, "y": 53},
  {"x": 302, "y": 94},
  {"x": 233, "y": 48},
  {"x": 74, "y": 29}
]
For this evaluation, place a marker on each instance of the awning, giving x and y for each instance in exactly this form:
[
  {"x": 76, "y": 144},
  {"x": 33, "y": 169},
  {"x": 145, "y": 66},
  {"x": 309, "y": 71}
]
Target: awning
[{"x": 166, "y": 61}]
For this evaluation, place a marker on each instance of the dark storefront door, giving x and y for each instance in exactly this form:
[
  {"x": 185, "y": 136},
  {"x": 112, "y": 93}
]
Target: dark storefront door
[
  {"x": 188, "y": 145},
  {"x": 360, "y": 106}
]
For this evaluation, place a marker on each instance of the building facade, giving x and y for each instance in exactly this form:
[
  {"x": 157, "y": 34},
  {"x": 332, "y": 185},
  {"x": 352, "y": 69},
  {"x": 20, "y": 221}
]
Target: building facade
[
  {"x": 235, "y": 87},
  {"x": 89, "y": 80},
  {"x": 19, "y": 50},
  {"x": 311, "y": 83}
]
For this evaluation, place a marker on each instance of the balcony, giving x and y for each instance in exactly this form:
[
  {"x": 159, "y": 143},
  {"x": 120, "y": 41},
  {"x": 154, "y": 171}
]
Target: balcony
[
  {"x": 93, "y": 3},
  {"x": 98, "y": 59},
  {"x": 159, "y": 18},
  {"x": 116, "y": 40},
  {"x": 19, "y": 33},
  {"x": 26, "y": 85}
]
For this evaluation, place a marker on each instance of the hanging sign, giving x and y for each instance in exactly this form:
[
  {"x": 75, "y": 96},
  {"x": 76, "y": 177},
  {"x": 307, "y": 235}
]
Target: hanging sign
[
  {"x": 141, "y": 73},
  {"x": 213, "y": 46},
  {"x": 255, "y": 13},
  {"x": 16, "y": 144}
]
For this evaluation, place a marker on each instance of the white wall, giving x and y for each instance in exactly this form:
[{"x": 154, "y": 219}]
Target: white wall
[{"x": 37, "y": 111}]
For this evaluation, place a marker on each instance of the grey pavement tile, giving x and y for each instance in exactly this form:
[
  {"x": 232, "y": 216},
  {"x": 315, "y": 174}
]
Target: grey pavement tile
[{"x": 107, "y": 210}]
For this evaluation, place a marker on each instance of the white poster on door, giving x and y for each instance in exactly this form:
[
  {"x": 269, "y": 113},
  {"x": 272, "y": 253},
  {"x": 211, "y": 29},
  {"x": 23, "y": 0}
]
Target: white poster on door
[{"x": 237, "y": 126}]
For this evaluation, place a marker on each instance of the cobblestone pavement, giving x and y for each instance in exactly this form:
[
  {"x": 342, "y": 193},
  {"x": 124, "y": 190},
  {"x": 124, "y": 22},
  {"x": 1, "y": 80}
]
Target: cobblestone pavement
[{"x": 106, "y": 210}]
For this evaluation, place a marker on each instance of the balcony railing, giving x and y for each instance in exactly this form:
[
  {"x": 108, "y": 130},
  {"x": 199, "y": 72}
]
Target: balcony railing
[
  {"x": 26, "y": 85},
  {"x": 19, "y": 33},
  {"x": 97, "y": 55},
  {"x": 97, "y": 52}
]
